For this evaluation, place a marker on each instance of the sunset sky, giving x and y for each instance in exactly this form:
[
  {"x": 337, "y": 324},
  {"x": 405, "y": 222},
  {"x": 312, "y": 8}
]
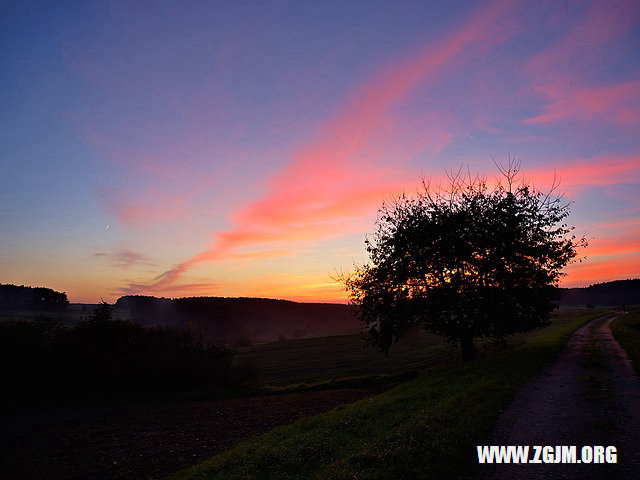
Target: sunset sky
[{"x": 243, "y": 148}]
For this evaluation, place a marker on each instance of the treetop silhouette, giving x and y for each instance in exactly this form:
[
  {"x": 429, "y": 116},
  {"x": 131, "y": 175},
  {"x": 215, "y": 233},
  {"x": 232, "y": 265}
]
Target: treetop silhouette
[{"x": 464, "y": 260}]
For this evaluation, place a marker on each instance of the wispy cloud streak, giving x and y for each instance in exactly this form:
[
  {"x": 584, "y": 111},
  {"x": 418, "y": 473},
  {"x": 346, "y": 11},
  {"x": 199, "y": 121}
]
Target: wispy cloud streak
[
  {"x": 571, "y": 73},
  {"x": 124, "y": 258},
  {"x": 618, "y": 103},
  {"x": 328, "y": 182},
  {"x": 602, "y": 170}
]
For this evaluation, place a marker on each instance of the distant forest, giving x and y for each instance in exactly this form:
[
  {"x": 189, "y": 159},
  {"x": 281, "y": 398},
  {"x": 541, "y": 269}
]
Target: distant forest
[
  {"x": 242, "y": 319},
  {"x": 14, "y": 297},
  {"x": 245, "y": 320},
  {"x": 618, "y": 292},
  {"x": 261, "y": 319}
]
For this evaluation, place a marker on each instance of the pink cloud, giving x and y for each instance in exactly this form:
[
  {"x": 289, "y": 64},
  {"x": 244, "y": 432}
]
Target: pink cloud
[
  {"x": 601, "y": 170},
  {"x": 313, "y": 203},
  {"x": 331, "y": 181},
  {"x": 563, "y": 72},
  {"x": 614, "y": 103},
  {"x": 603, "y": 23},
  {"x": 615, "y": 245},
  {"x": 618, "y": 225},
  {"x": 588, "y": 272},
  {"x": 150, "y": 206}
]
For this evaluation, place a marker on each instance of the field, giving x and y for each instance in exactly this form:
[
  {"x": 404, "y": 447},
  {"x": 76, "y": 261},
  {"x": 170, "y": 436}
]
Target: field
[
  {"x": 426, "y": 427},
  {"x": 432, "y": 406},
  {"x": 313, "y": 361}
]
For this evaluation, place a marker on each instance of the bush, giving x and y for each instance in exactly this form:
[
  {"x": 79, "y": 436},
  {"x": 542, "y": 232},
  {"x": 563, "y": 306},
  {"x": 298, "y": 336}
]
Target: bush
[{"x": 100, "y": 357}]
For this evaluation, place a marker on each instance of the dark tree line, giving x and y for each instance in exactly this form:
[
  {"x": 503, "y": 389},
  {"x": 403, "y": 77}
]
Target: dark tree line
[
  {"x": 14, "y": 297},
  {"x": 235, "y": 319},
  {"x": 42, "y": 361},
  {"x": 617, "y": 292}
]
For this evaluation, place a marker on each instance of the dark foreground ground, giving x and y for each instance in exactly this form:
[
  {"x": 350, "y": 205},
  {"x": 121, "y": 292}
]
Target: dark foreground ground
[
  {"x": 145, "y": 441},
  {"x": 156, "y": 440}
]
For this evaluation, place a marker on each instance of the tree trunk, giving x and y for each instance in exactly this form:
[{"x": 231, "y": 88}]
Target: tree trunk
[{"x": 466, "y": 344}]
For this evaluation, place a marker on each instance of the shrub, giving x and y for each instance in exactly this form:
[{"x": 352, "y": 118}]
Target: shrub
[{"x": 100, "y": 357}]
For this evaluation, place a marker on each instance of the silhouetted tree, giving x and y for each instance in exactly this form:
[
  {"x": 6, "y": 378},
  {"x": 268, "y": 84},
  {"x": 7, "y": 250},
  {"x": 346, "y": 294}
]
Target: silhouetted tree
[
  {"x": 464, "y": 261},
  {"x": 102, "y": 313}
]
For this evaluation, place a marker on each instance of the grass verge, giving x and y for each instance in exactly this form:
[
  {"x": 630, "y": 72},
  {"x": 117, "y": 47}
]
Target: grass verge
[
  {"x": 626, "y": 330},
  {"x": 426, "y": 427}
]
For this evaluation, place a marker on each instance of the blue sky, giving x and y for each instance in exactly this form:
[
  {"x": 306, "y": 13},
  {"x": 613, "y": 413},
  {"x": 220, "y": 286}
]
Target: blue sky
[{"x": 242, "y": 148}]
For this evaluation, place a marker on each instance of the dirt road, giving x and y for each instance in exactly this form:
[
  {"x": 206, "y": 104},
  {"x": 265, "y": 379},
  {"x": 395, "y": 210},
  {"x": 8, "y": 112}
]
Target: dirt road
[{"x": 588, "y": 396}]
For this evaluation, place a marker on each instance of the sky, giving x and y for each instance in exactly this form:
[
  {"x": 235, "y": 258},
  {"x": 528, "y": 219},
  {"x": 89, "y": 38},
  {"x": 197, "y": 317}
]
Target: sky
[{"x": 180, "y": 148}]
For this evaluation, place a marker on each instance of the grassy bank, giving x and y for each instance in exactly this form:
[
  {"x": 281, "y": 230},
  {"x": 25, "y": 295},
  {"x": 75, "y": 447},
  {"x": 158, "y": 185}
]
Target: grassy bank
[
  {"x": 426, "y": 427},
  {"x": 626, "y": 329}
]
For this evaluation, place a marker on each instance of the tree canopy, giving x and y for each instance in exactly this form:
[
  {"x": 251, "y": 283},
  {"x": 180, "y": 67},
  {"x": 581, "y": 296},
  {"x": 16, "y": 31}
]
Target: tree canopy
[
  {"x": 464, "y": 261},
  {"x": 14, "y": 297}
]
